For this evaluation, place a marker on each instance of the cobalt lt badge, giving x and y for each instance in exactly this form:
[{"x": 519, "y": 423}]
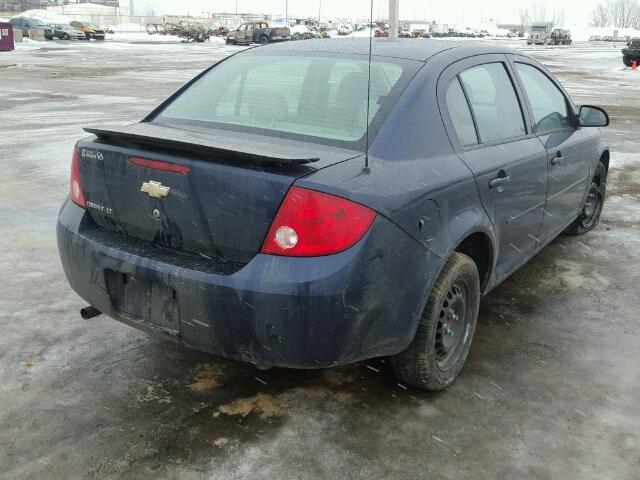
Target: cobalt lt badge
[{"x": 154, "y": 189}]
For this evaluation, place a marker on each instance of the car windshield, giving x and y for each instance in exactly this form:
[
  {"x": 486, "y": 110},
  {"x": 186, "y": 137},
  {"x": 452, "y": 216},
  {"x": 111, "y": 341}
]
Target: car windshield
[{"x": 322, "y": 97}]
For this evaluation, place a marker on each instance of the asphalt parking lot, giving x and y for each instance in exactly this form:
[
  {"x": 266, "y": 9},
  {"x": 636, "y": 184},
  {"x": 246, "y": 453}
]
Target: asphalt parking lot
[{"x": 551, "y": 388}]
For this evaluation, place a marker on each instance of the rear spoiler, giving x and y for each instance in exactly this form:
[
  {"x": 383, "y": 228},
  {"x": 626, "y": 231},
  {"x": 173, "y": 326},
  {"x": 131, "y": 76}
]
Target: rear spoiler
[{"x": 219, "y": 143}]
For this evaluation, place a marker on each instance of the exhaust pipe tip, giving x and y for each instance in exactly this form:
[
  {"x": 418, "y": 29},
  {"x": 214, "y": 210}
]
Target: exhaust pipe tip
[{"x": 89, "y": 312}]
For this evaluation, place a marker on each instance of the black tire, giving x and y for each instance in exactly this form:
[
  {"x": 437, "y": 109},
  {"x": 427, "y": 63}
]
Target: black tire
[
  {"x": 590, "y": 214},
  {"x": 264, "y": 40},
  {"x": 440, "y": 347},
  {"x": 66, "y": 36}
]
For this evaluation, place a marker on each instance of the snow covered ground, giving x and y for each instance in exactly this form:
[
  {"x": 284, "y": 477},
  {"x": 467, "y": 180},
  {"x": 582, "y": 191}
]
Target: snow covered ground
[{"x": 550, "y": 389}]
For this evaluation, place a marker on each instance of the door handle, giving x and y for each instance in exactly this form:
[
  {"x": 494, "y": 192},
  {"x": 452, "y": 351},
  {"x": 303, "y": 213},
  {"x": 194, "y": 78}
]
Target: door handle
[
  {"x": 500, "y": 180},
  {"x": 557, "y": 159}
]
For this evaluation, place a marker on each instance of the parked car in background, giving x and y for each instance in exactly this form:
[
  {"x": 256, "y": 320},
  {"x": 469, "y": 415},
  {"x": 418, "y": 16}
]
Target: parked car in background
[
  {"x": 49, "y": 32},
  {"x": 260, "y": 214},
  {"x": 257, "y": 32},
  {"x": 67, "y": 32},
  {"x": 90, "y": 32},
  {"x": 595, "y": 38},
  {"x": 25, "y": 23},
  {"x": 631, "y": 52},
  {"x": 345, "y": 29}
]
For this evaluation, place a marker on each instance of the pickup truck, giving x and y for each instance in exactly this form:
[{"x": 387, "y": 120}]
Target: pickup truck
[
  {"x": 631, "y": 52},
  {"x": 257, "y": 32}
]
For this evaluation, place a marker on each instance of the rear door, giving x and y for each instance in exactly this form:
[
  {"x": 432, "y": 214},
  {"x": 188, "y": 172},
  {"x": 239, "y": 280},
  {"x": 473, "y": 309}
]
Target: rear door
[
  {"x": 554, "y": 121},
  {"x": 492, "y": 136}
]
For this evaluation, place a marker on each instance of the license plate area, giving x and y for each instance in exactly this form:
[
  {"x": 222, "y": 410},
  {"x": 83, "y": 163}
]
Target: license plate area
[{"x": 141, "y": 300}]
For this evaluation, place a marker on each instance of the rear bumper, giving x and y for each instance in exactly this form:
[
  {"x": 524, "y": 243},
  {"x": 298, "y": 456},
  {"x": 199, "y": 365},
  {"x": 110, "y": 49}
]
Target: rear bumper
[{"x": 274, "y": 311}]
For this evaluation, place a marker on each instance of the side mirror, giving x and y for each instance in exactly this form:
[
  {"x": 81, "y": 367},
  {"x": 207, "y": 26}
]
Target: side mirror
[{"x": 593, "y": 117}]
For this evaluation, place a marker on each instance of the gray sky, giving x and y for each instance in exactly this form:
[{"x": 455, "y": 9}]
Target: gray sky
[{"x": 464, "y": 12}]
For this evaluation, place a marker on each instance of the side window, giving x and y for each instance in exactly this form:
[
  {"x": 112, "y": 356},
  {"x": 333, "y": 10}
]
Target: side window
[
  {"x": 461, "y": 114},
  {"x": 548, "y": 103},
  {"x": 494, "y": 102}
]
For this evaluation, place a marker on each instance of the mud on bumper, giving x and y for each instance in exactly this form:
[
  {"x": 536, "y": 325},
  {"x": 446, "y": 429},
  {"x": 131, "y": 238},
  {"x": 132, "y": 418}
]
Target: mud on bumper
[{"x": 273, "y": 311}]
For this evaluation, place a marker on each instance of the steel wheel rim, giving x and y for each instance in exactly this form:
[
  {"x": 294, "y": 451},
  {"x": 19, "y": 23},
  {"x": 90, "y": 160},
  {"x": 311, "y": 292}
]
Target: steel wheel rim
[
  {"x": 592, "y": 205},
  {"x": 453, "y": 326}
]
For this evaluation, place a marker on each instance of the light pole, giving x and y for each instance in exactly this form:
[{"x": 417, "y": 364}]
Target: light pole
[
  {"x": 393, "y": 19},
  {"x": 319, "y": 10}
]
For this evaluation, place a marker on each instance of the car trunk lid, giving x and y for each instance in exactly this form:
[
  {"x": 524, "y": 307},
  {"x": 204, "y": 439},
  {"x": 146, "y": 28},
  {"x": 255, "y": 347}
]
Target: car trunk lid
[{"x": 219, "y": 203}]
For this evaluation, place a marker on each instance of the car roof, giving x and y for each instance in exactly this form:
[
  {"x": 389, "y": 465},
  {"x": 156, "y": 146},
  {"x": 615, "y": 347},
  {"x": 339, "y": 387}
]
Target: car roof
[{"x": 407, "y": 48}]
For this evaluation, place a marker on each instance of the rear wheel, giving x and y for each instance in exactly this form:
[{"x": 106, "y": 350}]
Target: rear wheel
[
  {"x": 438, "y": 351},
  {"x": 66, "y": 36},
  {"x": 590, "y": 215},
  {"x": 264, "y": 40}
]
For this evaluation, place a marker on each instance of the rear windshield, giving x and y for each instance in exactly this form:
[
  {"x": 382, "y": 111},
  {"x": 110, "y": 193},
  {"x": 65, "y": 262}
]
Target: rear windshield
[{"x": 321, "y": 97}]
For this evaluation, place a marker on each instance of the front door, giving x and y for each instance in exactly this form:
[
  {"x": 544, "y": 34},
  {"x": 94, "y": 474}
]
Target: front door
[
  {"x": 509, "y": 163},
  {"x": 241, "y": 33},
  {"x": 249, "y": 34},
  {"x": 568, "y": 147}
]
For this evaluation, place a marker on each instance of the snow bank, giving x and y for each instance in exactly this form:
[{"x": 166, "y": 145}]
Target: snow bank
[
  {"x": 128, "y": 27},
  {"x": 301, "y": 29},
  {"x": 84, "y": 12},
  {"x": 45, "y": 16},
  {"x": 89, "y": 9}
]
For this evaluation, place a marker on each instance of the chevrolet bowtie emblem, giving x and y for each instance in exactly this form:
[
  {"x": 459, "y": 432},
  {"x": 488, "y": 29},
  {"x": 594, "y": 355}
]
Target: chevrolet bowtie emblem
[{"x": 154, "y": 189}]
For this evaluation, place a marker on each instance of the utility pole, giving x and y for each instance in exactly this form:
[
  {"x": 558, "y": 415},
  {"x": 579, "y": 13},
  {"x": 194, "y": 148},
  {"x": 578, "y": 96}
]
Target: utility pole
[
  {"x": 319, "y": 10},
  {"x": 393, "y": 18}
]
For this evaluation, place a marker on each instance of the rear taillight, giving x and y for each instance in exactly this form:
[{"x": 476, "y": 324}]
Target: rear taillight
[
  {"x": 75, "y": 187},
  {"x": 274, "y": 32},
  {"x": 311, "y": 224}
]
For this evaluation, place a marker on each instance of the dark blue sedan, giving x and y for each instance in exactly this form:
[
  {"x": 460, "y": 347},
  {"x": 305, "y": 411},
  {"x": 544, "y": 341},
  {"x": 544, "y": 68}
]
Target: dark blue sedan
[{"x": 296, "y": 206}]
